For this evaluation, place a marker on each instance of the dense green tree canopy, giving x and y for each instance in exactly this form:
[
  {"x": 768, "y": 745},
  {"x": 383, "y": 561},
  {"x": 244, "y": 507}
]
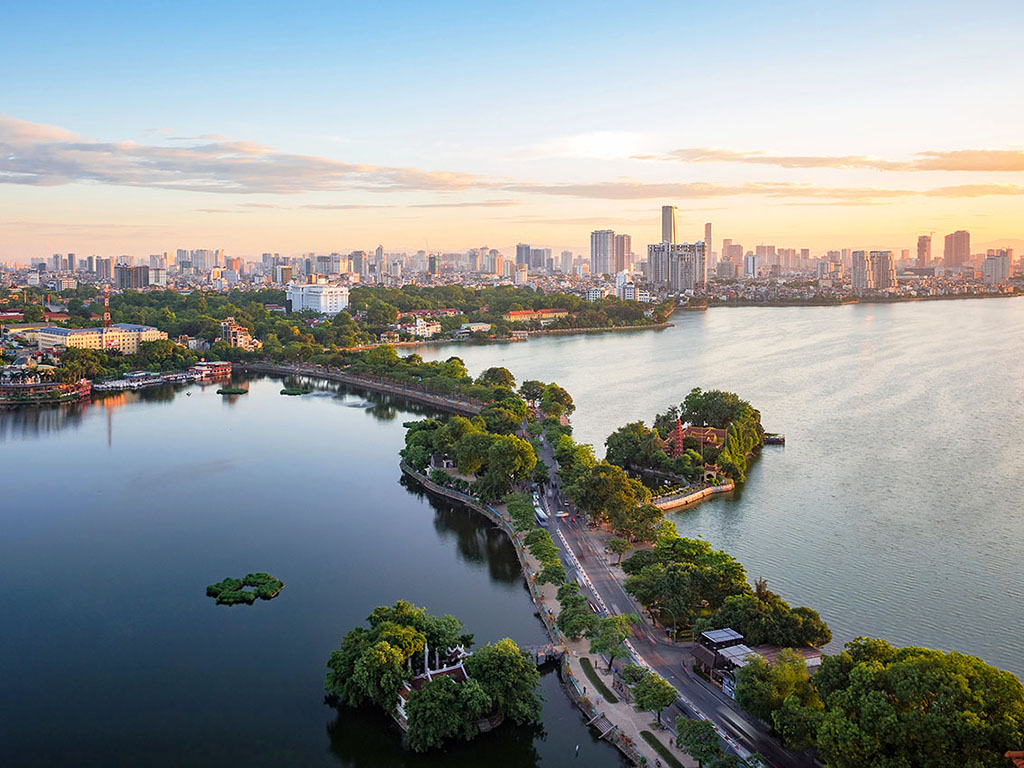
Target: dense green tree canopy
[
  {"x": 761, "y": 688},
  {"x": 771, "y": 621},
  {"x": 509, "y": 678},
  {"x": 916, "y": 707},
  {"x": 654, "y": 693},
  {"x": 608, "y": 635},
  {"x": 497, "y": 377}
]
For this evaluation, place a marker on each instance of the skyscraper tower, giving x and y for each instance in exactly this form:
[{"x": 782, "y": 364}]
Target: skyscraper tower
[
  {"x": 623, "y": 251},
  {"x": 924, "y": 251},
  {"x": 957, "y": 249},
  {"x": 707, "y": 238},
  {"x": 668, "y": 223},
  {"x": 602, "y": 249}
]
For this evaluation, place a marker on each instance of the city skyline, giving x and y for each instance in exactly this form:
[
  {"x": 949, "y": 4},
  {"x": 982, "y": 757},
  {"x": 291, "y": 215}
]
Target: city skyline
[{"x": 259, "y": 130}]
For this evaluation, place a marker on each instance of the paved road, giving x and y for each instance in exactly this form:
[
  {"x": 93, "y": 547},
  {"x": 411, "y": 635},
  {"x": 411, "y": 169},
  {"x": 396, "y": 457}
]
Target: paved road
[{"x": 666, "y": 657}]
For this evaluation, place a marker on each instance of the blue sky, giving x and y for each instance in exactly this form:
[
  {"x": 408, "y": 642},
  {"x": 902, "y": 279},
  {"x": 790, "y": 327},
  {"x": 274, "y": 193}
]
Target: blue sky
[{"x": 525, "y": 96}]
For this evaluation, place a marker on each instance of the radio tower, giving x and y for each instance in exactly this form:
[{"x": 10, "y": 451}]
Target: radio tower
[{"x": 106, "y": 307}]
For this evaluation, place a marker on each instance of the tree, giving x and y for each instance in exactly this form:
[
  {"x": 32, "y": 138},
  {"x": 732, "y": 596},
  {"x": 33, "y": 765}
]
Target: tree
[
  {"x": 532, "y": 389},
  {"x": 497, "y": 377},
  {"x": 433, "y": 714},
  {"x": 443, "y": 709},
  {"x": 634, "y": 445},
  {"x": 609, "y": 634},
  {"x": 632, "y": 674},
  {"x": 575, "y": 619},
  {"x": 916, "y": 707},
  {"x": 699, "y": 740},
  {"x": 619, "y": 547},
  {"x": 606, "y": 490},
  {"x": 541, "y": 472},
  {"x": 771, "y": 621},
  {"x": 33, "y": 313},
  {"x": 654, "y": 692},
  {"x": 761, "y": 688},
  {"x": 509, "y": 678},
  {"x": 553, "y": 572},
  {"x": 379, "y": 672},
  {"x": 472, "y": 450},
  {"x": 501, "y": 419},
  {"x": 511, "y": 458},
  {"x": 555, "y": 401}
]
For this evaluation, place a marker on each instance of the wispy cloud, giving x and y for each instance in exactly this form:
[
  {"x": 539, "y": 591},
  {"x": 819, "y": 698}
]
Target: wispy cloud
[
  {"x": 976, "y": 190},
  {"x": 954, "y": 160},
  {"x": 361, "y": 206},
  {"x": 44, "y": 155},
  {"x": 638, "y": 190}
]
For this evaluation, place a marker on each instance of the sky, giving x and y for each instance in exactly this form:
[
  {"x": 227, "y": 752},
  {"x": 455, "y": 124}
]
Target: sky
[{"x": 141, "y": 128}]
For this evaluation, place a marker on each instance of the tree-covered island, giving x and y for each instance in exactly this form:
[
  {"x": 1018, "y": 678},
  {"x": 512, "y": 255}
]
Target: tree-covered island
[
  {"x": 245, "y": 590},
  {"x": 419, "y": 669}
]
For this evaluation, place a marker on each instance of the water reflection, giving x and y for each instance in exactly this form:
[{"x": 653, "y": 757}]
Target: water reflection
[{"x": 355, "y": 740}]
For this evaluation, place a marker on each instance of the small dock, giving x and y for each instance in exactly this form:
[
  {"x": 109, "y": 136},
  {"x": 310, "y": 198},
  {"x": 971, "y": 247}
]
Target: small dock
[{"x": 773, "y": 439}]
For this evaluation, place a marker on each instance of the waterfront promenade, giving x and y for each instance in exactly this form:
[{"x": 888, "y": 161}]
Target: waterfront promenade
[{"x": 462, "y": 406}]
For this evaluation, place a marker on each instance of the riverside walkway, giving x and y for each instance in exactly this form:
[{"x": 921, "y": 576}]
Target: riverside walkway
[{"x": 463, "y": 406}]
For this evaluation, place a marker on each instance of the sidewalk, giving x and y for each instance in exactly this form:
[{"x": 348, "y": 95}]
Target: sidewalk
[{"x": 628, "y": 720}]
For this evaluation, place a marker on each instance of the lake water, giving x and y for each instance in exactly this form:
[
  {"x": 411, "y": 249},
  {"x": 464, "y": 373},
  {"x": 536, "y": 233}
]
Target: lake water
[
  {"x": 116, "y": 515},
  {"x": 896, "y": 507}
]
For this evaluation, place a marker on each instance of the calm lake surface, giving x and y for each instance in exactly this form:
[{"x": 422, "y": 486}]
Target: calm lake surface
[
  {"x": 896, "y": 508},
  {"x": 116, "y": 515}
]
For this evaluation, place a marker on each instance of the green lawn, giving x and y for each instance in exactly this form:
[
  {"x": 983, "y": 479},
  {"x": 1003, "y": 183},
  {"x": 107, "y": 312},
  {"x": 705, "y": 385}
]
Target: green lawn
[
  {"x": 661, "y": 749},
  {"x": 598, "y": 683}
]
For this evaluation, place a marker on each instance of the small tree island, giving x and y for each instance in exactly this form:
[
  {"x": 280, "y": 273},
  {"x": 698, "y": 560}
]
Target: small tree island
[
  {"x": 418, "y": 668},
  {"x": 233, "y": 591},
  {"x": 712, "y": 431}
]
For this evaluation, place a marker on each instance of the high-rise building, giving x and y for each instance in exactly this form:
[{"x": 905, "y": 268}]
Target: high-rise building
[
  {"x": 957, "y": 249},
  {"x": 131, "y": 278},
  {"x": 668, "y": 223},
  {"x": 883, "y": 270},
  {"x": 523, "y": 253},
  {"x": 924, "y": 251},
  {"x": 104, "y": 269},
  {"x": 602, "y": 248},
  {"x": 750, "y": 265},
  {"x": 863, "y": 273},
  {"x": 707, "y": 238},
  {"x": 996, "y": 267},
  {"x": 566, "y": 265},
  {"x": 622, "y": 252},
  {"x": 677, "y": 267},
  {"x": 539, "y": 259}
]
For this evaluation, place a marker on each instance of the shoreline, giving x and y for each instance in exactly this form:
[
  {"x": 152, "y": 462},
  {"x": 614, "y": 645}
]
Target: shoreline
[
  {"x": 675, "y": 502},
  {"x": 846, "y": 303},
  {"x": 569, "y": 679}
]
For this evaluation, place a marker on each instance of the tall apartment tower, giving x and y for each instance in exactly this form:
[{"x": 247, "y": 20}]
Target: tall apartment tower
[
  {"x": 602, "y": 249},
  {"x": 957, "y": 249},
  {"x": 707, "y": 238},
  {"x": 623, "y": 250},
  {"x": 863, "y": 273},
  {"x": 668, "y": 223},
  {"x": 924, "y": 251},
  {"x": 523, "y": 252},
  {"x": 883, "y": 269}
]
